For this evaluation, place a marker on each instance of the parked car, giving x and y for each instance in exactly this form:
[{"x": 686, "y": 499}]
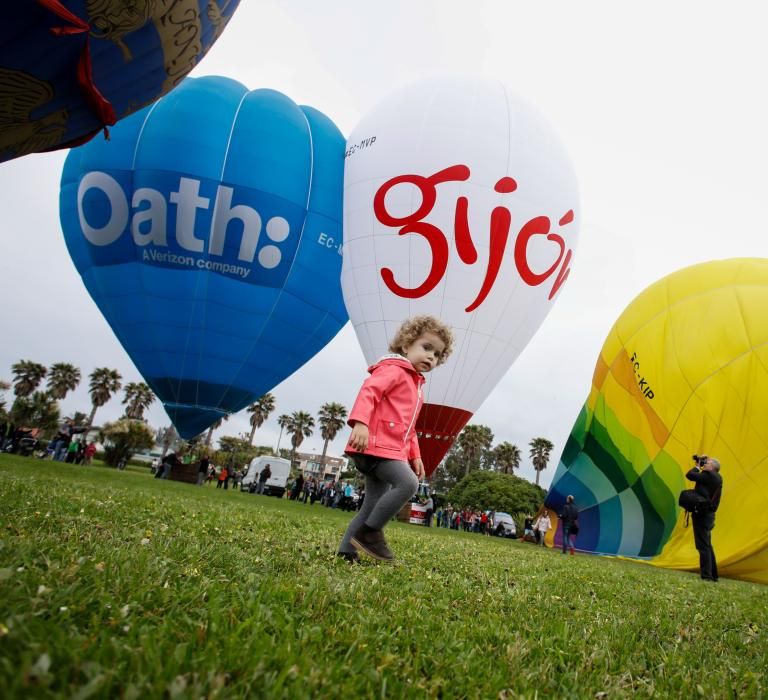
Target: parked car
[
  {"x": 504, "y": 525},
  {"x": 275, "y": 486}
]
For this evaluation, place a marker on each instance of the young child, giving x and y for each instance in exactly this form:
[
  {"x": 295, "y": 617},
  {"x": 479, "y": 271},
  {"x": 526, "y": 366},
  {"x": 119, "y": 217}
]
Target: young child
[{"x": 383, "y": 444}]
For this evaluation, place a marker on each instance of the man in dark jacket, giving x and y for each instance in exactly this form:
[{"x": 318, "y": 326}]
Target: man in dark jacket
[
  {"x": 263, "y": 478},
  {"x": 570, "y": 519},
  {"x": 709, "y": 484}
]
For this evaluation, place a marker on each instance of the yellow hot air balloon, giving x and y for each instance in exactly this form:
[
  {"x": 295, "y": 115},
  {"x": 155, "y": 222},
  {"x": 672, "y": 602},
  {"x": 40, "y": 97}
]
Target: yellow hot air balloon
[{"x": 684, "y": 371}]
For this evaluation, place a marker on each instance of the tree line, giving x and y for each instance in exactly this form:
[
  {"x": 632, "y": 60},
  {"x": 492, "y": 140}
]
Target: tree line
[
  {"x": 36, "y": 407},
  {"x": 39, "y": 408},
  {"x": 474, "y": 450}
]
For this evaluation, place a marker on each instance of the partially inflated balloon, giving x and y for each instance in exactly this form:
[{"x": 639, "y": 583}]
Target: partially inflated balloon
[
  {"x": 208, "y": 233},
  {"x": 459, "y": 202},
  {"x": 70, "y": 67},
  {"x": 684, "y": 370}
]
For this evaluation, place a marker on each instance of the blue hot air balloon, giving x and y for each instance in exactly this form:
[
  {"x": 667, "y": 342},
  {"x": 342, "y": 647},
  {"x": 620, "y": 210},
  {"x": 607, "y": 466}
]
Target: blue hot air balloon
[
  {"x": 208, "y": 232},
  {"x": 70, "y": 67}
]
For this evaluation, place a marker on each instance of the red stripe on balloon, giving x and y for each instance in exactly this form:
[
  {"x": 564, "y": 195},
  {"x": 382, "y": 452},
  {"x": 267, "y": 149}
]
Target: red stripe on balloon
[
  {"x": 437, "y": 427},
  {"x": 98, "y": 103}
]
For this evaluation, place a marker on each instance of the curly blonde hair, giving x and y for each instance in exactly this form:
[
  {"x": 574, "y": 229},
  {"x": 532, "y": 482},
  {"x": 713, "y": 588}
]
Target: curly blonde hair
[{"x": 415, "y": 327}]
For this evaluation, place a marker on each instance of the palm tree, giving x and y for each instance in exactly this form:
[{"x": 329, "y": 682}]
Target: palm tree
[
  {"x": 214, "y": 426},
  {"x": 332, "y": 418},
  {"x": 507, "y": 457},
  {"x": 299, "y": 427},
  {"x": 138, "y": 397},
  {"x": 27, "y": 377},
  {"x": 540, "y": 451},
  {"x": 283, "y": 421},
  {"x": 79, "y": 418},
  {"x": 260, "y": 412},
  {"x": 473, "y": 440},
  {"x": 62, "y": 378},
  {"x": 104, "y": 383},
  {"x": 37, "y": 411}
]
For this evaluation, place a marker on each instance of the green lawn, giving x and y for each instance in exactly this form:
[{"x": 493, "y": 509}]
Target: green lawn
[{"x": 114, "y": 584}]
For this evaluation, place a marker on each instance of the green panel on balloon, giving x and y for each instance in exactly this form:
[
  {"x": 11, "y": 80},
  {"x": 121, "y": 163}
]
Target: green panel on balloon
[{"x": 683, "y": 371}]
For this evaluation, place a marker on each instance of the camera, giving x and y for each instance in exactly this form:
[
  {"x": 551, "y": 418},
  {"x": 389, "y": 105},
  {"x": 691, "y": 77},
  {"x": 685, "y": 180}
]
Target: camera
[{"x": 700, "y": 460}]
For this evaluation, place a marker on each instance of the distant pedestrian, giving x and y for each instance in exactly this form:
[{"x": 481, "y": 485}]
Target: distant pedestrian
[
  {"x": 202, "y": 470},
  {"x": 297, "y": 487},
  {"x": 264, "y": 476},
  {"x": 429, "y": 510},
  {"x": 90, "y": 451},
  {"x": 570, "y": 519},
  {"x": 306, "y": 490},
  {"x": 541, "y": 527},
  {"x": 170, "y": 461}
]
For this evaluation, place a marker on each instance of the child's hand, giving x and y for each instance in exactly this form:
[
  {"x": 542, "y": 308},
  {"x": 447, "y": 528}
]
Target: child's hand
[
  {"x": 418, "y": 467},
  {"x": 359, "y": 438}
]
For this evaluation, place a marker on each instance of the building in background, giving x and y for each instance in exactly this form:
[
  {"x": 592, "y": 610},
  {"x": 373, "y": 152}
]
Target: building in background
[{"x": 309, "y": 464}]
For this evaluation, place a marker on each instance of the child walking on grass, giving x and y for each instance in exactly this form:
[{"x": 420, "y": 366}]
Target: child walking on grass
[{"x": 383, "y": 444}]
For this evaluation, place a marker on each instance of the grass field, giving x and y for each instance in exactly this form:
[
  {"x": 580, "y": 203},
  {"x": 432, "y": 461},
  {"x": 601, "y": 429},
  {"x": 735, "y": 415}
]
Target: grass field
[{"x": 117, "y": 585}]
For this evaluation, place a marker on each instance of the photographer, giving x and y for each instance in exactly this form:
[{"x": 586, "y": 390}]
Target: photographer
[{"x": 709, "y": 484}]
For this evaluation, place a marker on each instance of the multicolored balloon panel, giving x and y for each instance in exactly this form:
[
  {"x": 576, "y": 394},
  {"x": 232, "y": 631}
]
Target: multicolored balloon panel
[
  {"x": 683, "y": 371},
  {"x": 70, "y": 67},
  {"x": 208, "y": 232}
]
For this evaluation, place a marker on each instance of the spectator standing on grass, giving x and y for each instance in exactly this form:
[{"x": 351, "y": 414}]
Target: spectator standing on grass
[
  {"x": 709, "y": 484},
  {"x": 202, "y": 469},
  {"x": 528, "y": 533},
  {"x": 222, "y": 477},
  {"x": 383, "y": 444},
  {"x": 72, "y": 451},
  {"x": 170, "y": 461},
  {"x": 542, "y": 527},
  {"x": 63, "y": 438},
  {"x": 348, "y": 491},
  {"x": 264, "y": 475},
  {"x": 90, "y": 451},
  {"x": 306, "y": 490},
  {"x": 298, "y": 487},
  {"x": 570, "y": 519},
  {"x": 429, "y": 509}
]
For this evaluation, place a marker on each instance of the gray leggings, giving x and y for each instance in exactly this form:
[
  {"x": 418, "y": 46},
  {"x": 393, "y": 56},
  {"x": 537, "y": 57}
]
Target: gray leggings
[{"x": 387, "y": 489}]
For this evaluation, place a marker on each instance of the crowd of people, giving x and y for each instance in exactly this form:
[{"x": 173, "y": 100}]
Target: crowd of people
[
  {"x": 67, "y": 445},
  {"x": 332, "y": 494},
  {"x": 479, "y": 521}
]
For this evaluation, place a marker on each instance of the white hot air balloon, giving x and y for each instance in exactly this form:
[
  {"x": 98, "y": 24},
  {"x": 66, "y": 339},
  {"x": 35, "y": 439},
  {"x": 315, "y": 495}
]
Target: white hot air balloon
[{"x": 459, "y": 202}]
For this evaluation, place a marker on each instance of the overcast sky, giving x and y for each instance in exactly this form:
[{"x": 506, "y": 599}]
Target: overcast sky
[{"x": 662, "y": 107}]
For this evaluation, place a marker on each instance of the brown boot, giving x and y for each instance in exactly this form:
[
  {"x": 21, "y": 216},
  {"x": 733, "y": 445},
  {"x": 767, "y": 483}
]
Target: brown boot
[
  {"x": 372, "y": 542},
  {"x": 573, "y": 551}
]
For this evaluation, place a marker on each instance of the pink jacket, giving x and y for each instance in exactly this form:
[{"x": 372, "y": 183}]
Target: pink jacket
[{"x": 388, "y": 403}]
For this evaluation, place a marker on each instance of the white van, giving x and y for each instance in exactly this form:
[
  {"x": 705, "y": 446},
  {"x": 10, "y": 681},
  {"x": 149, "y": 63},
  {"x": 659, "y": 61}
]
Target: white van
[{"x": 275, "y": 486}]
